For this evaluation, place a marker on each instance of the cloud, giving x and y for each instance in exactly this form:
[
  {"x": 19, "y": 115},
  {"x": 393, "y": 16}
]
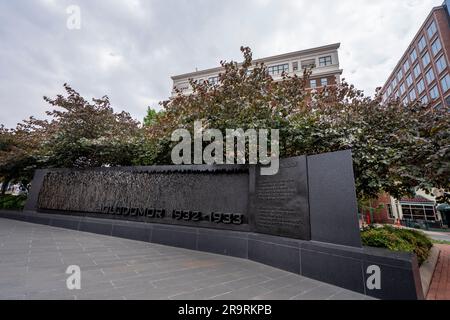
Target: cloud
[{"x": 129, "y": 49}]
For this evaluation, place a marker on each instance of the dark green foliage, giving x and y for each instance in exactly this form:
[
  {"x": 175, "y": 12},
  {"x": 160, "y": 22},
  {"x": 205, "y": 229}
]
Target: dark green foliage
[
  {"x": 12, "y": 202},
  {"x": 396, "y": 239}
]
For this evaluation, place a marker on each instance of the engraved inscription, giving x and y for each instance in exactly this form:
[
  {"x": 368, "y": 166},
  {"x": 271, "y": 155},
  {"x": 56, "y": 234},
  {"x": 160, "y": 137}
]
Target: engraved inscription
[
  {"x": 276, "y": 217},
  {"x": 276, "y": 190},
  {"x": 280, "y": 202}
]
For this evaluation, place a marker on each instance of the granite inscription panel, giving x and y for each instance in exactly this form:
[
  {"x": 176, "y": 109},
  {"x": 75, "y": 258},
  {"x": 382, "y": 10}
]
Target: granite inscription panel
[{"x": 280, "y": 202}]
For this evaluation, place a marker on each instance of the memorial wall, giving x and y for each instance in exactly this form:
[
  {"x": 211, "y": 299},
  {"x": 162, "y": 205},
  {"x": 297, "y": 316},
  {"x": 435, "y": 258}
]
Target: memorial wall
[
  {"x": 220, "y": 197},
  {"x": 303, "y": 220}
]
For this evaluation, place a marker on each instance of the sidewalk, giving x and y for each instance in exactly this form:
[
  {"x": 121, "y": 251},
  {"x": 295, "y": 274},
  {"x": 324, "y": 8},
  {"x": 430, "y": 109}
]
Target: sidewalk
[
  {"x": 440, "y": 284},
  {"x": 34, "y": 259}
]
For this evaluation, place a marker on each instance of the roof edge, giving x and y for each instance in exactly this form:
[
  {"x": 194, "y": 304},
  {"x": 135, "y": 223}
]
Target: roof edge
[{"x": 333, "y": 46}]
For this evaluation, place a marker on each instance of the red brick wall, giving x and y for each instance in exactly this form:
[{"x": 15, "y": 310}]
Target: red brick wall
[{"x": 379, "y": 215}]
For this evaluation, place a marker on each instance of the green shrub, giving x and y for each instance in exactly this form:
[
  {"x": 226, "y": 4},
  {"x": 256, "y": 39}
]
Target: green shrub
[
  {"x": 396, "y": 239},
  {"x": 12, "y": 202}
]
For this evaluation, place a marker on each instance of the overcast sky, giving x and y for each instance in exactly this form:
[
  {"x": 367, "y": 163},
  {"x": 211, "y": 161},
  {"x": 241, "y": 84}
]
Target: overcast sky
[{"x": 128, "y": 49}]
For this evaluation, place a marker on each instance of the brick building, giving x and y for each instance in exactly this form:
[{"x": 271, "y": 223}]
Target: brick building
[{"x": 423, "y": 72}]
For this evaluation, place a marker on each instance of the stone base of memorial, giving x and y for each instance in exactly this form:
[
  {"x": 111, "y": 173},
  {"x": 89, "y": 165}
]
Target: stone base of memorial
[{"x": 303, "y": 220}]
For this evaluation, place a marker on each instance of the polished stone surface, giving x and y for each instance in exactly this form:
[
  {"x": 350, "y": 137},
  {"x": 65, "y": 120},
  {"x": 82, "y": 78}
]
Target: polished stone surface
[{"x": 34, "y": 258}]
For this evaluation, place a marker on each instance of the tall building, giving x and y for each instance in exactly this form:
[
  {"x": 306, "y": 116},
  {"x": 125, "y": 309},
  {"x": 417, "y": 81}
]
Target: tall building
[
  {"x": 323, "y": 60},
  {"x": 423, "y": 72}
]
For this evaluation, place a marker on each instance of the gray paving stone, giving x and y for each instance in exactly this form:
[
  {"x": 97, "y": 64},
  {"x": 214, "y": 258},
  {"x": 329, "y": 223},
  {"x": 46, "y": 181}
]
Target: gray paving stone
[
  {"x": 34, "y": 259},
  {"x": 243, "y": 293},
  {"x": 320, "y": 292},
  {"x": 205, "y": 293}
]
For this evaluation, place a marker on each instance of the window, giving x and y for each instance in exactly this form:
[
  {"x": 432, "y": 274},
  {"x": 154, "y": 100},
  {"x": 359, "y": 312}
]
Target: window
[
  {"x": 406, "y": 65},
  {"x": 430, "y": 76},
  {"x": 308, "y": 64},
  {"x": 399, "y": 75},
  {"x": 438, "y": 106},
  {"x": 420, "y": 86},
  {"x": 413, "y": 55},
  {"x": 409, "y": 80},
  {"x": 431, "y": 30},
  {"x": 402, "y": 89},
  {"x": 417, "y": 71},
  {"x": 405, "y": 101},
  {"x": 389, "y": 91},
  {"x": 396, "y": 94},
  {"x": 426, "y": 59},
  {"x": 418, "y": 212},
  {"x": 313, "y": 84},
  {"x": 389, "y": 210},
  {"x": 422, "y": 44},
  {"x": 324, "y": 61},
  {"x": 445, "y": 83},
  {"x": 295, "y": 66},
  {"x": 182, "y": 86},
  {"x": 436, "y": 46},
  {"x": 278, "y": 69},
  {"x": 424, "y": 99},
  {"x": 434, "y": 93},
  {"x": 324, "y": 82},
  {"x": 213, "y": 80},
  {"x": 412, "y": 95},
  {"x": 394, "y": 83},
  {"x": 447, "y": 101},
  {"x": 441, "y": 64}
]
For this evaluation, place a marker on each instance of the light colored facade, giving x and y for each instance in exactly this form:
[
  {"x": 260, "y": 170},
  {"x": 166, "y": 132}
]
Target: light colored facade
[
  {"x": 423, "y": 72},
  {"x": 325, "y": 60}
]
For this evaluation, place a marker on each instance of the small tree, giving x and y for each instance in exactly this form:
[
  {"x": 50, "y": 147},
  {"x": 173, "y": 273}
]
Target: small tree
[
  {"x": 88, "y": 134},
  {"x": 150, "y": 118},
  {"x": 78, "y": 134}
]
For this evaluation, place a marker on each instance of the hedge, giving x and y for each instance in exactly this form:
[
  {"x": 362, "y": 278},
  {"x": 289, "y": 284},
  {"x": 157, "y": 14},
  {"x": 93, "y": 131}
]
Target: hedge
[
  {"x": 397, "y": 239},
  {"x": 12, "y": 202}
]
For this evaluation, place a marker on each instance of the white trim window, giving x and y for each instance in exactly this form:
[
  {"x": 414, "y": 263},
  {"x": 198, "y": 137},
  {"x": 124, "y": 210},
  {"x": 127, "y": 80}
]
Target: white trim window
[
  {"x": 278, "y": 69},
  {"x": 325, "y": 61}
]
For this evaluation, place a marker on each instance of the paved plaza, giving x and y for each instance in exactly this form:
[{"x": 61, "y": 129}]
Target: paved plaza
[{"x": 34, "y": 259}]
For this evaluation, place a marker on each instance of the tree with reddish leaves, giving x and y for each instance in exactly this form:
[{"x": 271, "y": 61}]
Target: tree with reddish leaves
[
  {"x": 396, "y": 148},
  {"x": 77, "y": 134}
]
